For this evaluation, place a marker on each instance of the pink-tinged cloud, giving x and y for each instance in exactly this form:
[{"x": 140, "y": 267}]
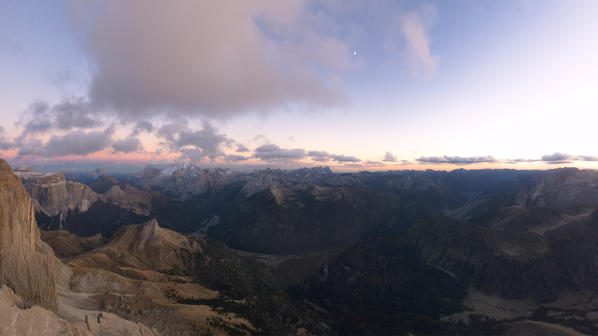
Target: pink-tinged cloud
[
  {"x": 414, "y": 27},
  {"x": 208, "y": 58}
]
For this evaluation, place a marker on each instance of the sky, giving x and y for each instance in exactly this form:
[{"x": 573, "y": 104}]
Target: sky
[{"x": 352, "y": 84}]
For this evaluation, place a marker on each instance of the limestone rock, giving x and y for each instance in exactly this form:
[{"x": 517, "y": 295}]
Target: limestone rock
[
  {"x": 27, "y": 265},
  {"x": 54, "y": 195},
  {"x": 16, "y": 320}
]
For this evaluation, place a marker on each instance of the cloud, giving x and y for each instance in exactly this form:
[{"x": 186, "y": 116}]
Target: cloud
[
  {"x": 206, "y": 139},
  {"x": 414, "y": 27},
  {"x": 212, "y": 59},
  {"x": 557, "y": 157},
  {"x": 272, "y": 152},
  {"x": 242, "y": 148},
  {"x": 524, "y": 160},
  {"x": 194, "y": 154},
  {"x": 322, "y": 156},
  {"x": 319, "y": 156},
  {"x": 194, "y": 144},
  {"x": 560, "y": 158},
  {"x": 142, "y": 126},
  {"x": 389, "y": 157},
  {"x": 71, "y": 113},
  {"x": 171, "y": 129},
  {"x": 128, "y": 145},
  {"x": 344, "y": 158},
  {"x": 151, "y": 62},
  {"x": 588, "y": 158},
  {"x": 4, "y": 142},
  {"x": 29, "y": 147},
  {"x": 353, "y": 165},
  {"x": 457, "y": 159},
  {"x": 76, "y": 143},
  {"x": 236, "y": 158},
  {"x": 39, "y": 121}
]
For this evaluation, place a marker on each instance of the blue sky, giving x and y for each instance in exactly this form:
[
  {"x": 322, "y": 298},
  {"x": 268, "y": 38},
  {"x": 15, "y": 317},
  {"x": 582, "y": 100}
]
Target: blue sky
[{"x": 438, "y": 84}]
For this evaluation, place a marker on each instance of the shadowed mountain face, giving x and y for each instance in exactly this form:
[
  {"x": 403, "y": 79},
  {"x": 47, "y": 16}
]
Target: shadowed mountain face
[
  {"x": 314, "y": 209},
  {"x": 299, "y": 220},
  {"x": 101, "y": 218},
  {"x": 381, "y": 286},
  {"x": 101, "y": 207}
]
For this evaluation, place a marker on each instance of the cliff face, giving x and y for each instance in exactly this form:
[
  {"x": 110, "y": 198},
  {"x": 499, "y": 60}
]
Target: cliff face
[
  {"x": 54, "y": 195},
  {"x": 27, "y": 265}
]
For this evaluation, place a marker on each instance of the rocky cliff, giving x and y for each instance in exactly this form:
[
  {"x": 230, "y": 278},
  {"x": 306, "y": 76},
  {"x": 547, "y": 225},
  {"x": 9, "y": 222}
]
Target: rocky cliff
[
  {"x": 29, "y": 275},
  {"x": 54, "y": 195},
  {"x": 27, "y": 265}
]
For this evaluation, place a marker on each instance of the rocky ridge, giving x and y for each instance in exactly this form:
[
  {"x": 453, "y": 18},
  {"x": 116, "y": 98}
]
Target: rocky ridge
[{"x": 33, "y": 279}]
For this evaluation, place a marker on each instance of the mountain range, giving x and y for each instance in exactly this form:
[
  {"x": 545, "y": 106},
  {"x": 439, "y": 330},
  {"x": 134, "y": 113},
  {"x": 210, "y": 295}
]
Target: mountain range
[{"x": 186, "y": 250}]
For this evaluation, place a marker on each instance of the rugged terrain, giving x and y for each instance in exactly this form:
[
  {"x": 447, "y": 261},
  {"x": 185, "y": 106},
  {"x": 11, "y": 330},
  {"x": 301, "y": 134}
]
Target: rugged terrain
[
  {"x": 494, "y": 252},
  {"x": 447, "y": 242},
  {"x": 102, "y": 207},
  {"x": 32, "y": 297}
]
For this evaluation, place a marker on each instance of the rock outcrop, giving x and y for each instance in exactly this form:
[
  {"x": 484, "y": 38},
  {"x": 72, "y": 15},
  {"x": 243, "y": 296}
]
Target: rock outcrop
[
  {"x": 16, "y": 320},
  {"x": 53, "y": 195},
  {"x": 27, "y": 265},
  {"x": 148, "y": 246}
]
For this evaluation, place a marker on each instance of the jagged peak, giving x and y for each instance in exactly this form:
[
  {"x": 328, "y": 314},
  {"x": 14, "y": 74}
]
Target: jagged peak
[
  {"x": 149, "y": 230},
  {"x": 151, "y": 224}
]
